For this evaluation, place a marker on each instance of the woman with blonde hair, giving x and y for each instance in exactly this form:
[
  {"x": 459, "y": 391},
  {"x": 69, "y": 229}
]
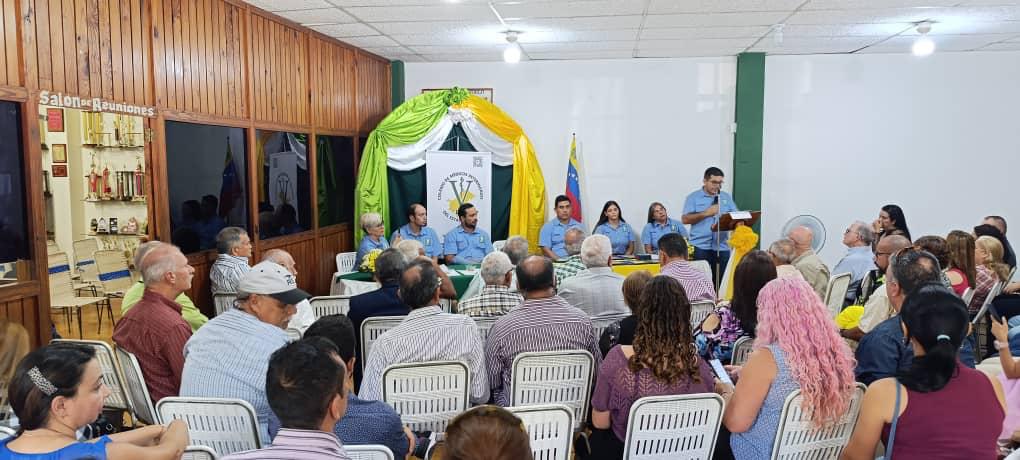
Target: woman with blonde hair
[
  {"x": 797, "y": 347},
  {"x": 961, "y": 269},
  {"x": 989, "y": 269}
]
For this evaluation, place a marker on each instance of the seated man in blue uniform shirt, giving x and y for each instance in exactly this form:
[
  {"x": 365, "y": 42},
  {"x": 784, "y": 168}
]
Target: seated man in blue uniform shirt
[
  {"x": 551, "y": 237},
  {"x": 415, "y": 229},
  {"x": 466, "y": 243}
]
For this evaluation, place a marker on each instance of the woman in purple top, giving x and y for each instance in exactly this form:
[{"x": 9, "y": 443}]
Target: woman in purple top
[
  {"x": 662, "y": 361},
  {"x": 738, "y": 318},
  {"x": 945, "y": 410}
]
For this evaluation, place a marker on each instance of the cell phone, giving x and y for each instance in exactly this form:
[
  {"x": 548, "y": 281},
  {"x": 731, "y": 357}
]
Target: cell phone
[
  {"x": 720, "y": 371},
  {"x": 995, "y": 313}
]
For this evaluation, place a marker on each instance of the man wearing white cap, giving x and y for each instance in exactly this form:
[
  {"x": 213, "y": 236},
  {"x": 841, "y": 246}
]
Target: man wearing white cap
[{"x": 229, "y": 356}]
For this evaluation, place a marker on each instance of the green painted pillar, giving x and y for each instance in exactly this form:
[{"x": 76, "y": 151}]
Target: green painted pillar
[
  {"x": 396, "y": 83},
  {"x": 747, "y": 141}
]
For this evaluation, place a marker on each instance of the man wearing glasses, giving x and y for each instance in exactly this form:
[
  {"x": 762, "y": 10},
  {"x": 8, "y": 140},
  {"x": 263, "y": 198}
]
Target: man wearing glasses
[
  {"x": 859, "y": 259},
  {"x": 702, "y": 209},
  {"x": 878, "y": 308}
]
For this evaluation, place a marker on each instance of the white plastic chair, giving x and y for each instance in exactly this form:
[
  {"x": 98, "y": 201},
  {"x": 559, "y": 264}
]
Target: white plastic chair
[
  {"x": 498, "y": 245},
  {"x": 114, "y": 274},
  {"x": 62, "y": 296},
  {"x": 330, "y": 305},
  {"x": 485, "y": 324},
  {"x": 371, "y": 329},
  {"x": 600, "y": 323},
  {"x": 550, "y": 428},
  {"x": 446, "y": 305},
  {"x": 554, "y": 377},
  {"x": 293, "y": 334},
  {"x": 85, "y": 264},
  {"x": 699, "y": 311},
  {"x": 111, "y": 374},
  {"x": 992, "y": 294},
  {"x": 836, "y": 294},
  {"x": 345, "y": 262},
  {"x": 797, "y": 437},
  {"x": 968, "y": 295},
  {"x": 674, "y": 426},
  {"x": 741, "y": 351},
  {"x": 199, "y": 453},
  {"x": 427, "y": 395},
  {"x": 137, "y": 391},
  {"x": 225, "y": 425},
  {"x": 369, "y": 452},
  {"x": 224, "y": 301},
  {"x": 6, "y": 433},
  {"x": 703, "y": 267}
]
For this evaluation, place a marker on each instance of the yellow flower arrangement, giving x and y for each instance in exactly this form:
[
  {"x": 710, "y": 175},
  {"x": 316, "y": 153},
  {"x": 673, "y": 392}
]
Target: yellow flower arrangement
[
  {"x": 368, "y": 262},
  {"x": 742, "y": 240}
]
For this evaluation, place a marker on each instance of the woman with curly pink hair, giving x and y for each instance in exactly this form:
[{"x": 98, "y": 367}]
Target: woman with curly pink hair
[{"x": 797, "y": 347}]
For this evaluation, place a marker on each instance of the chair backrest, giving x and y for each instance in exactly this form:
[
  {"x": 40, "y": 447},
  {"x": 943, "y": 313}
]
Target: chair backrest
[
  {"x": 225, "y": 425},
  {"x": 699, "y": 311},
  {"x": 51, "y": 247},
  {"x": 741, "y": 350},
  {"x": 138, "y": 393},
  {"x": 224, "y": 301},
  {"x": 84, "y": 258},
  {"x": 59, "y": 277},
  {"x": 199, "y": 453},
  {"x": 114, "y": 274},
  {"x": 6, "y": 432},
  {"x": 674, "y": 426},
  {"x": 554, "y": 377},
  {"x": 326, "y": 305},
  {"x": 836, "y": 294},
  {"x": 293, "y": 334},
  {"x": 703, "y": 267},
  {"x": 345, "y": 262},
  {"x": 797, "y": 437},
  {"x": 866, "y": 283},
  {"x": 369, "y": 452},
  {"x": 992, "y": 294},
  {"x": 484, "y": 324},
  {"x": 111, "y": 374},
  {"x": 498, "y": 245},
  {"x": 968, "y": 295},
  {"x": 371, "y": 329},
  {"x": 446, "y": 305},
  {"x": 600, "y": 323},
  {"x": 550, "y": 428},
  {"x": 427, "y": 395},
  {"x": 1012, "y": 272}
]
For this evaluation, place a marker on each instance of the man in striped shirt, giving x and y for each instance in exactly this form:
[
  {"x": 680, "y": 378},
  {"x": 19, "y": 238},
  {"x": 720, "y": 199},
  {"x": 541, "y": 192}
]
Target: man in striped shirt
[
  {"x": 673, "y": 259},
  {"x": 496, "y": 298},
  {"x": 305, "y": 387},
  {"x": 544, "y": 322},
  {"x": 231, "y": 264},
  {"x": 428, "y": 334}
]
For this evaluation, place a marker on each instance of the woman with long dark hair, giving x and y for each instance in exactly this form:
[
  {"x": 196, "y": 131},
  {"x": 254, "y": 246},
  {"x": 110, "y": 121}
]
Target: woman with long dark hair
[
  {"x": 937, "y": 408},
  {"x": 961, "y": 270},
  {"x": 620, "y": 233},
  {"x": 57, "y": 390},
  {"x": 891, "y": 222},
  {"x": 737, "y": 318},
  {"x": 662, "y": 361}
]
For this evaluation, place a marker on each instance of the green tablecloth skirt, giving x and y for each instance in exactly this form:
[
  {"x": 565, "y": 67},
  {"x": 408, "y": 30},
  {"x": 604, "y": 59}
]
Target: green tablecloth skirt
[{"x": 460, "y": 281}]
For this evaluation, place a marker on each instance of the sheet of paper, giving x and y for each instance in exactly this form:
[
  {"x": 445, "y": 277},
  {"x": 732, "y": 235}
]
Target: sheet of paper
[{"x": 740, "y": 215}]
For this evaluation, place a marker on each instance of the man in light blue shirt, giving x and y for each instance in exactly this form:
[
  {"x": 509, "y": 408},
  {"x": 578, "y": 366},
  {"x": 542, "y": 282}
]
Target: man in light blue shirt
[
  {"x": 701, "y": 210},
  {"x": 467, "y": 244},
  {"x": 859, "y": 259},
  {"x": 551, "y": 237},
  {"x": 415, "y": 229}
]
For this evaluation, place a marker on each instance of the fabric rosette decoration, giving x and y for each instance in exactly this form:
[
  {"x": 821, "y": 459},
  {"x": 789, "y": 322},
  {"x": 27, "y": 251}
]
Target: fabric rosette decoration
[{"x": 742, "y": 241}]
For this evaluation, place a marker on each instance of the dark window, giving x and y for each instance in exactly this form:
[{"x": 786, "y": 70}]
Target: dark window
[
  {"x": 335, "y": 160},
  {"x": 13, "y": 206},
  {"x": 207, "y": 177},
  {"x": 285, "y": 195}
]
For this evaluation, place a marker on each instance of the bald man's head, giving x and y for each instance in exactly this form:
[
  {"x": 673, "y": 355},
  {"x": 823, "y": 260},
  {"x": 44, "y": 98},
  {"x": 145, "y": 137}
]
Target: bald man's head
[
  {"x": 802, "y": 237},
  {"x": 142, "y": 251},
  {"x": 888, "y": 246},
  {"x": 283, "y": 258},
  {"x": 535, "y": 273}
]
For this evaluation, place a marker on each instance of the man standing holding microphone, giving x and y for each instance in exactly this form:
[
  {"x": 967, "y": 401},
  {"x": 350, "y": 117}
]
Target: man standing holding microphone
[{"x": 702, "y": 209}]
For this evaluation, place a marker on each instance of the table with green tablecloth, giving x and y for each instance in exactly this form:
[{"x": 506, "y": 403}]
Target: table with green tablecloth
[{"x": 460, "y": 275}]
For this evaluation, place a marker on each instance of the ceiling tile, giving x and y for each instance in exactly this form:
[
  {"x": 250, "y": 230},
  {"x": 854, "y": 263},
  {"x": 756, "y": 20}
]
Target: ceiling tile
[
  {"x": 879, "y": 16},
  {"x": 319, "y": 16},
  {"x": 714, "y": 19},
  {"x": 437, "y": 27},
  {"x": 720, "y": 6},
  {"x": 872, "y": 4},
  {"x": 355, "y": 3},
  {"x": 580, "y": 46},
  {"x": 467, "y": 49},
  {"x": 585, "y": 23},
  {"x": 287, "y": 5},
  {"x": 571, "y": 55},
  {"x": 435, "y": 12},
  {"x": 370, "y": 42},
  {"x": 820, "y": 45},
  {"x": 389, "y": 50},
  {"x": 667, "y": 53},
  {"x": 578, "y": 36},
  {"x": 721, "y": 43},
  {"x": 680, "y": 33},
  {"x": 464, "y": 57},
  {"x": 568, "y": 9},
  {"x": 345, "y": 30},
  {"x": 942, "y": 43},
  {"x": 1010, "y": 46},
  {"x": 495, "y": 38},
  {"x": 959, "y": 27},
  {"x": 845, "y": 30},
  {"x": 406, "y": 58}
]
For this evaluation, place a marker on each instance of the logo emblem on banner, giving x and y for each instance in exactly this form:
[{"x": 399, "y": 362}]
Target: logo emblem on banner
[{"x": 459, "y": 188}]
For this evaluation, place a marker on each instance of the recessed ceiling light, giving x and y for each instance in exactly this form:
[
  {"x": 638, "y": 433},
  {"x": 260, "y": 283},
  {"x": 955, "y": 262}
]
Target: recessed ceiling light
[
  {"x": 512, "y": 53},
  {"x": 923, "y": 46}
]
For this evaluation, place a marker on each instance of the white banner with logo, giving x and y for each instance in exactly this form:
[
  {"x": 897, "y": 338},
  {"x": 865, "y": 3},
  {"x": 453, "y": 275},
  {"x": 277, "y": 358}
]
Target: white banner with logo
[
  {"x": 283, "y": 179},
  {"x": 455, "y": 178}
]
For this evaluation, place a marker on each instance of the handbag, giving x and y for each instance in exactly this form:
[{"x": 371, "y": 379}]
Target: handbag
[{"x": 892, "y": 429}]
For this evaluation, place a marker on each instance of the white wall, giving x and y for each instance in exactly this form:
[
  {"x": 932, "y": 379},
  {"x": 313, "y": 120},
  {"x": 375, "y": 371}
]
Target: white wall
[
  {"x": 646, "y": 129},
  {"x": 846, "y": 134}
]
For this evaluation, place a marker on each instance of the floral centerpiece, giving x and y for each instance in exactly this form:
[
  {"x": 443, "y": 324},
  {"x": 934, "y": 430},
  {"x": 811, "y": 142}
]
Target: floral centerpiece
[{"x": 368, "y": 262}]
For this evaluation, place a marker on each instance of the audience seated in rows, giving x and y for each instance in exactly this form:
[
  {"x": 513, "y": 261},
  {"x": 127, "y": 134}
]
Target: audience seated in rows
[
  {"x": 938, "y": 248},
  {"x": 673, "y": 260},
  {"x": 427, "y": 334},
  {"x": 996, "y": 229},
  {"x": 485, "y": 433},
  {"x": 189, "y": 311},
  {"x": 234, "y": 247},
  {"x": 305, "y": 387},
  {"x": 304, "y": 316},
  {"x": 597, "y": 290},
  {"x": 552, "y": 236},
  {"x": 989, "y": 270},
  {"x": 622, "y": 332},
  {"x": 944, "y": 409},
  {"x": 57, "y": 390},
  {"x": 738, "y": 318},
  {"x": 570, "y": 265},
  {"x": 544, "y": 322},
  {"x": 375, "y": 238},
  {"x": 783, "y": 251},
  {"x": 154, "y": 330},
  {"x": 859, "y": 260},
  {"x": 662, "y": 361},
  {"x": 878, "y": 307},
  {"x": 815, "y": 272},
  {"x": 381, "y": 302},
  {"x": 229, "y": 356},
  {"x": 496, "y": 299},
  {"x": 516, "y": 248},
  {"x": 962, "y": 268},
  {"x": 796, "y": 347}
]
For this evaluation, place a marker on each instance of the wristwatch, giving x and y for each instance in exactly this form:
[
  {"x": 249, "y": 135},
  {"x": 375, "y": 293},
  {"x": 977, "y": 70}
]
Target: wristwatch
[{"x": 1000, "y": 345}]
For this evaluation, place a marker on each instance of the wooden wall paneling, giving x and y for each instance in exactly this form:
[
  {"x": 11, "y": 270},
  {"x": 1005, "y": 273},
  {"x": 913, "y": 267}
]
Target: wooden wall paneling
[
  {"x": 280, "y": 63},
  {"x": 30, "y": 71},
  {"x": 332, "y": 240},
  {"x": 159, "y": 57},
  {"x": 26, "y": 311},
  {"x": 70, "y": 45},
  {"x": 10, "y": 63},
  {"x": 43, "y": 51},
  {"x": 373, "y": 91},
  {"x": 55, "y": 19},
  {"x": 201, "y": 290},
  {"x": 116, "y": 41},
  {"x": 105, "y": 57},
  {"x": 332, "y": 101},
  {"x": 81, "y": 48}
]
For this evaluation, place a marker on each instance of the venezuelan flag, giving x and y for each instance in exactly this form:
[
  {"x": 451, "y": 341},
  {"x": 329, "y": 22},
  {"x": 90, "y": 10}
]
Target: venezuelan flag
[{"x": 573, "y": 182}]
